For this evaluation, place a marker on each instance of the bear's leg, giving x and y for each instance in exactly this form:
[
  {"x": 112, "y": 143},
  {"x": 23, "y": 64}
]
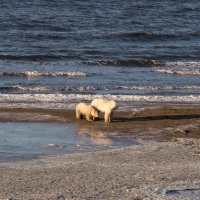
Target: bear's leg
[
  {"x": 110, "y": 117},
  {"x": 88, "y": 118},
  {"x": 107, "y": 117},
  {"x": 78, "y": 114},
  {"x": 97, "y": 118},
  {"x": 81, "y": 117}
]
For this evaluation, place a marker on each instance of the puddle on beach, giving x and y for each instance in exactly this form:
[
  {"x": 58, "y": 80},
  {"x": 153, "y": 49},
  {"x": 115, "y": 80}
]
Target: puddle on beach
[
  {"x": 24, "y": 140},
  {"x": 189, "y": 193}
]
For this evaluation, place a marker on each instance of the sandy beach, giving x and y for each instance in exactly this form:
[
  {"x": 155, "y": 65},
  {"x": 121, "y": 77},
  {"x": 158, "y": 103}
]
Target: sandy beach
[
  {"x": 144, "y": 55},
  {"x": 164, "y": 164}
]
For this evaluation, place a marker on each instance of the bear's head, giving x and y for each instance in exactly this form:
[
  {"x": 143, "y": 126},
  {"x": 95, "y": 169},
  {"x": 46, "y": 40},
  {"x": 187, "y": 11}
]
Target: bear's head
[{"x": 94, "y": 112}]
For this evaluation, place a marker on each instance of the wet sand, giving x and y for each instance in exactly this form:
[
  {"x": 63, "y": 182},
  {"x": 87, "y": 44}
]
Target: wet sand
[{"x": 165, "y": 164}]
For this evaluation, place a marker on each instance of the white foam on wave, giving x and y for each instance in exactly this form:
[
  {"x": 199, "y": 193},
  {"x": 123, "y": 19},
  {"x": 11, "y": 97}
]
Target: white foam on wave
[
  {"x": 36, "y": 73},
  {"x": 123, "y": 62},
  {"x": 145, "y": 87},
  {"x": 62, "y": 98},
  {"x": 195, "y": 72},
  {"x": 95, "y": 88},
  {"x": 194, "y": 87},
  {"x": 82, "y": 88},
  {"x": 36, "y": 89},
  {"x": 182, "y": 64}
]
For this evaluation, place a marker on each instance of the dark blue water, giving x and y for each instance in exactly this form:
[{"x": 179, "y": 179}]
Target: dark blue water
[
  {"x": 109, "y": 47},
  {"x": 100, "y": 30}
]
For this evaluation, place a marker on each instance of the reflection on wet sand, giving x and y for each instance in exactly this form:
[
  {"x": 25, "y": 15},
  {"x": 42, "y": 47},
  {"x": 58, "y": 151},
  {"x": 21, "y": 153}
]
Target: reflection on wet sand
[
  {"x": 28, "y": 117},
  {"x": 96, "y": 136}
]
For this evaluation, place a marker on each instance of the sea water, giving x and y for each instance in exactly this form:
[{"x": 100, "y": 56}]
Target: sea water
[
  {"x": 66, "y": 51},
  {"x": 54, "y": 54}
]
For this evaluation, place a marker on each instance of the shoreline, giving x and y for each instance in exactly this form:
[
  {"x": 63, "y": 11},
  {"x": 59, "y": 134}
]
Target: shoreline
[
  {"x": 167, "y": 122},
  {"x": 169, "y": 146},
  {"x": 154, "y": 169}
]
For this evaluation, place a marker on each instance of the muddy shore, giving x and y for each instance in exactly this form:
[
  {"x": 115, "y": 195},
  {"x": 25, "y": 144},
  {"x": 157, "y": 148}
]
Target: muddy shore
[{"x": 165, "y": 164}]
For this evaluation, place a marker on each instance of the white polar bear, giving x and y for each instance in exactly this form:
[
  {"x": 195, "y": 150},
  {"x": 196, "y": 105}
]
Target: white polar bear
[
  {"x": 87, "y": 110},
  {"x": 105, "y": 106}
]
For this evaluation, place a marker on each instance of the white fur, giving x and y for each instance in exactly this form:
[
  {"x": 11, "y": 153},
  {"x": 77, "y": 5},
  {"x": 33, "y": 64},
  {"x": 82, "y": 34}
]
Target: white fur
[
  {"x": 105, "y": 106},
  {"x": 88, "y": 111}
]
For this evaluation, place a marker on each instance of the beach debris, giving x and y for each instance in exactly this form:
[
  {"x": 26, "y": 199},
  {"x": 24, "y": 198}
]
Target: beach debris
[
  {"x": 196, "y": 153},
  {"x": 179, "y": 131},
  {"x": 189, "y": 141},
  {"x": 59, "y": 196},
  {"x": 53, "y": 145}
]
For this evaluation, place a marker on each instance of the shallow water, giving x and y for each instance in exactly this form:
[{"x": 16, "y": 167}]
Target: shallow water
[
  {"x": 189, "y": 193},
  {"x": 25, "y": 140}
]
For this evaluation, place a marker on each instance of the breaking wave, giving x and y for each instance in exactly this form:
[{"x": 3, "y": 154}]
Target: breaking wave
[
  {"x": 144, "y": 35},
  {"x": 21, "y": 88},
  {"x": 142, "y": 63},
  {"x": 32, "y": 57},
  {"x": 195, "y": 72},
  {"x": 63, "y": 98},
  {"x": 36, "y": 73},
  {"x": 158, "y": 87},
  {"x": 182, "y": 64},
  {"x": 53, "y": 88},
  {"x": 124, "y": 62},
  {"x": 94, "y": 88}
]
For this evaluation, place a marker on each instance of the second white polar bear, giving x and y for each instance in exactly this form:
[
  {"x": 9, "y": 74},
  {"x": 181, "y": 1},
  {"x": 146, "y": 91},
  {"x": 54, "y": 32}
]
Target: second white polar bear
[
  {"x": 105, "y": 106},
  {"x": 88, "y": 111}
]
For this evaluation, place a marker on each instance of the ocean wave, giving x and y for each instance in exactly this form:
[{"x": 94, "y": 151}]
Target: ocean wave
[
  {"x": 191, "y": 87},
  {"x": 150, "y": 35},
  {"x": 30, "y": 57},
  {"x": 63, "y": 98},
  {"x": 194, "y": 87},
  {"x": 195, "y": 72},
  {"x": 38, "y": 58},
  {"x": 182, "y": 64},
  {"x": 143, "y": 35},
  {"x": 124, "y": 62},
  {"x": 52, "y": 88},
  {"x": 21, "y": 88},
  {"x": 144, "y": 87},
  {"x": 94, "y": 88},
  {"x": 143, "y": 63},
  {"x": 36, "y": 73}
]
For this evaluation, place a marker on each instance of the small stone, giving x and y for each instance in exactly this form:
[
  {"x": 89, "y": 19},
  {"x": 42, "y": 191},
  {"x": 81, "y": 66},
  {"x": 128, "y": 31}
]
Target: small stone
[
  {"x": 52, "y": 145},
  {"x": 179, "y": 131},
  {"x": 59, "y": 196}
]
